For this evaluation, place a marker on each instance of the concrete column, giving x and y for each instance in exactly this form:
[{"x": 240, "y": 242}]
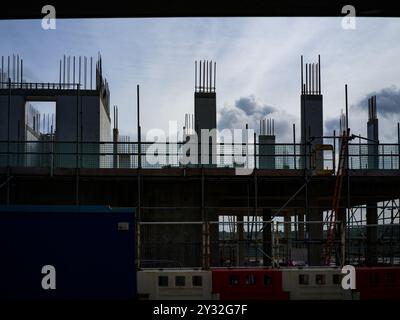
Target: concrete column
[
  {"x": 267, "y": 238},
  {"x": 312, "y": 126},
  {"x": 372, "y": 234},
  {"x": 266, "y": 152},
  {"x": 315, "y": 236}
]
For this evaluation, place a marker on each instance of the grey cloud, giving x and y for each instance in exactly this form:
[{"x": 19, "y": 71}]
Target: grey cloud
[
  {"x": 331, "y": 124},
  {"x": 249, "y": 110},
  {"x": 387, "y": 101},
  {"x": 250, "y": 106},
  {"x": 245, "y": 110}
]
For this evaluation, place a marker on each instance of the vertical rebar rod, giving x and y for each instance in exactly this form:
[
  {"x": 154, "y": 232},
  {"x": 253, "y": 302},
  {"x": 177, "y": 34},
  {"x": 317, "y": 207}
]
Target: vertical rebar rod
[
  {"x": 73, "y": 73},
  {"x": 211, "y": 85},
  {"x": 13, "y": 70},
  {"x": 77, "y": 125},
  {"x": 64, "y": 72},
  {"x": 204, "y": 73},
  {"x": 8, "y": 121},
  {"x": 306, "y": 91},
  {"x": 8, "y": 70},
  {"x": 22, "y": 72},
  {"x": 398, "y": 141},
  {"x": 85, "y": 71},
  {"x": 138, "y": 128},
  {"x": 273, "y": 126},
  {"x": 301, "y": 68},
  {"x": 199, "y": 76},
  {"x": 2, "y": 71},
  {"x": 79, "y": 69},
  {"x": 319, "y": 74},
  {"x": 334, "y": 151},
  {"x": 207, "y": 67},
  {"x": 215, "y": 76},
  {"x": 68, "y": 70},
  {"x": 91, "y": 73},
  {"x": 17, "y": 68},
  {"x": 294, "y": 145},
  {"x": 347, "y": 109},
  {"x": 312, "y": 78}
]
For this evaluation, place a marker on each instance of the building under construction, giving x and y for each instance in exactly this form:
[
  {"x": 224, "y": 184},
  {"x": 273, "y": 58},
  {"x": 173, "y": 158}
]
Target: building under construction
[{"x": 316, "y": 200}]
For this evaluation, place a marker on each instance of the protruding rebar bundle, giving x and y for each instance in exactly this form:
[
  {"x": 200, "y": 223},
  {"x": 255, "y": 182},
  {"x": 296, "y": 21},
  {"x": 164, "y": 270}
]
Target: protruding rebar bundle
[
  {"x": 205, "y": 76},
  {"x": 311, "y": 81},
  {"x": 372, "y": 108}
]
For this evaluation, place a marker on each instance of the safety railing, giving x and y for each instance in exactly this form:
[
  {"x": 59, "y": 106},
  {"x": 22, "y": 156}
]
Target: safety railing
[
  {"x": 39, "y": 85},
  {"x": 72, "y": 154}
]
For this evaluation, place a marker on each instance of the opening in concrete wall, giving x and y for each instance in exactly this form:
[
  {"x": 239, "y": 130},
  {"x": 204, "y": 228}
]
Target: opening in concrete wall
[
  {"x": 38, "y": 131},
  {"x": 40, "y": 118}
]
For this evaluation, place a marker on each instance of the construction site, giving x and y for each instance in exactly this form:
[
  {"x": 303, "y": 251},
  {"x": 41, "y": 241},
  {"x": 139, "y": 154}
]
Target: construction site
[{"x": 317, "y": 200}]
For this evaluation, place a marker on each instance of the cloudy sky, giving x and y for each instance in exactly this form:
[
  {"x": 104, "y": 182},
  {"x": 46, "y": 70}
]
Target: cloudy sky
[{"x": 258, "y": 66}]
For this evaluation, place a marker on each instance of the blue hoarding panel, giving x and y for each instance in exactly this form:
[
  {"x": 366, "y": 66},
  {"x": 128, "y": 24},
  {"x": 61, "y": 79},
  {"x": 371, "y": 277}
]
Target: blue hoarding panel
[{"x": 92, "y": 250}]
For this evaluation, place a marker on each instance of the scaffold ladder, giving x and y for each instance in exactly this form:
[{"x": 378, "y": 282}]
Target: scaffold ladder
[{"x": 336, "y": 197}]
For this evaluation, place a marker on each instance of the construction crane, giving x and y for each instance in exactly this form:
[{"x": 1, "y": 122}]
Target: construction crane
[{"x": 336, "y": 195}]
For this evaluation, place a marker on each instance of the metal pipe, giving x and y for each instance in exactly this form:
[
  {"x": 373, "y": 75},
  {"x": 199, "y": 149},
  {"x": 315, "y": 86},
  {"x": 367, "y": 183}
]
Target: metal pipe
[
  {"x": 60, "y": 72},
  {"x": 195, "y": 76}
]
